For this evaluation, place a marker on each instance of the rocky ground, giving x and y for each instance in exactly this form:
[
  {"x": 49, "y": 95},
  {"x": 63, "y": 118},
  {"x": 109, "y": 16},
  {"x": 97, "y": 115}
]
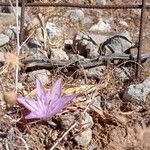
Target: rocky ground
[{"x": 94, "y": 52}]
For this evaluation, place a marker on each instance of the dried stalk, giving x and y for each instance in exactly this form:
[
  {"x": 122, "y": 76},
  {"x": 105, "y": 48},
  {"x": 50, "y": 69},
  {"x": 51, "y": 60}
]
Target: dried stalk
[
  {"x": 18, "y": 44},
  {"x": 16, "y": 13}
]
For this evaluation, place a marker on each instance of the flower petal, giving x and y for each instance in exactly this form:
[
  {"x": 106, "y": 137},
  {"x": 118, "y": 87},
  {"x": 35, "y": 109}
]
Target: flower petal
[
  {"x": 32, "y": 115},
  {"x": 36, "y": 114},
  {"x": 56, "y": 90},
  {"x": 47, "y": 97},
  {"x": 66, "y": 99},
  {"x": 60, "y": 104},
  {"x": 39, "y": 89},
  {"x": 40, "y": 93},
  {"x": 28, "y": 103}
]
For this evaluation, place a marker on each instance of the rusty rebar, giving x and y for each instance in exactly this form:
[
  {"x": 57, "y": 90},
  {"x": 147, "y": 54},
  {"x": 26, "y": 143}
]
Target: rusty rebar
[
  {"x": 22, "y": 21},
  {"x": 138, "y": 69},
  {"x": 84, "y": 6},
  {"x": 40, "y": 4}
]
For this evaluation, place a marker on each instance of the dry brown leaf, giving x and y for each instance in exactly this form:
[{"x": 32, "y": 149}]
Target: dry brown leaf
[{"x": 79, "y": 90}]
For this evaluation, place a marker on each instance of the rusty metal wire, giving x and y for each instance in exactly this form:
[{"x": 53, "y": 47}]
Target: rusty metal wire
[
  {"x": 40, "y": 4},
  {"x": 142, "y": 6},
  {"x": 22, "y": 21},
  {"x": 140, "y": 42}
]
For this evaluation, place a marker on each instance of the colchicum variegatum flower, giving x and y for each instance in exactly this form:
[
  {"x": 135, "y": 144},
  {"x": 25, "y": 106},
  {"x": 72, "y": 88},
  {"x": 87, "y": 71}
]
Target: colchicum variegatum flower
[{"x": 47, "y": 103}]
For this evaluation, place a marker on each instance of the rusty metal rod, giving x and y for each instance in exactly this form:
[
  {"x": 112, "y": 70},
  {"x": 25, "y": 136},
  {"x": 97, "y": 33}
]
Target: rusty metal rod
[
  {"x": 84, "y": 6},
  {"x": 39, "y": 4},
  {"x": 138, "y": 69},
  {"x": 22, "y": 21}
]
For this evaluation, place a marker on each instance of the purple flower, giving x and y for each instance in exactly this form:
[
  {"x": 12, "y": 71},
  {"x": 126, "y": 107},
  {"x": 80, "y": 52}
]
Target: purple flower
[{"x": 48, "y": 103}]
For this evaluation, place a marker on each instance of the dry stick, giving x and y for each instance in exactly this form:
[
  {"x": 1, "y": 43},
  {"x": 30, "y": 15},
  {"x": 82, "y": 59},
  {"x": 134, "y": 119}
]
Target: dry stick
[
  {"x": 26, "y": 39},
  {"x": 5, "y": 67},
  {"x": 58, "y": 141},
  {"x": 17, "y": 24},
  {"x": 44, "y": 31},
  {"x": 18, "y": 44},
  {"x": 18, "y": 47},
  {"x": 11, "y": 4},
  {"x": 45, "y": 37}
]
